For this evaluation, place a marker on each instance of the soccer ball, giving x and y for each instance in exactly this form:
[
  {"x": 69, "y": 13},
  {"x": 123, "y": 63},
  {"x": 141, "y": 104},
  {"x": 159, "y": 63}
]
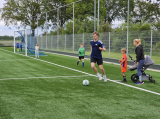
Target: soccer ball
[{"x": 85, "y": 82}]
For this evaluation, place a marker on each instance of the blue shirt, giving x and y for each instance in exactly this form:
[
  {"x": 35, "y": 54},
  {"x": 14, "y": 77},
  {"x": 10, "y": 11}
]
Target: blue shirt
[
  {"x": 20, "y": 45},
  {"x": 17, "y": 45},
  {"x": 96, "y": 53}
]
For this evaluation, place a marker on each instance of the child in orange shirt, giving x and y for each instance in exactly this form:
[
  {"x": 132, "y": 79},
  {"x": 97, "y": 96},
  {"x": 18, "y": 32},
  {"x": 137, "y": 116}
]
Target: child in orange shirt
[{"x": 123, "y": 64}]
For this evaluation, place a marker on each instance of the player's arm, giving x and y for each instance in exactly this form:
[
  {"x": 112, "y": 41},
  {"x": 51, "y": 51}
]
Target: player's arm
[
  {"x": 91, "y": 49},
  {"x": 102, "y": 48},
  {"x": 123, "y": 61}
]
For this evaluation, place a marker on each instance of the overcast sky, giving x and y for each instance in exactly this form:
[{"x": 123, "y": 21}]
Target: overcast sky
[{"x": 3, "y": 29}]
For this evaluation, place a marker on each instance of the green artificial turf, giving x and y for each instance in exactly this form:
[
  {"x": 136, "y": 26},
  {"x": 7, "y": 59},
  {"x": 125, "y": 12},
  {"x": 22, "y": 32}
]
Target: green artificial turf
[{"x": 58, "y": 96}]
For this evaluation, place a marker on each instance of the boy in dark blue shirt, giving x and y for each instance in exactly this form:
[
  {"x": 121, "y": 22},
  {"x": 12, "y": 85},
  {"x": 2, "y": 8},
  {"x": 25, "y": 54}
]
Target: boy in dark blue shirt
[
  {"x": 17, "y": 47},
  {"x": 96, "y": 57},
  {"x": 21, "y": 47}
]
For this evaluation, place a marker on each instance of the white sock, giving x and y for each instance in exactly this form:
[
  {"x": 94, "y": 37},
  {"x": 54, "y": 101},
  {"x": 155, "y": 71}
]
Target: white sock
[
  {"x": 104, "y": 75},
  {"x": 97, "y": 74}
]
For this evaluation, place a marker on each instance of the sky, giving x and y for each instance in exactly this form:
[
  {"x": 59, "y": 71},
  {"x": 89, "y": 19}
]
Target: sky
[{"x": 4, "y": 30}]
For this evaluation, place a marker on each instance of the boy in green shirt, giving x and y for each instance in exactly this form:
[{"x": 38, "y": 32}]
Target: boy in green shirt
[{"x": 81, "y": 52}]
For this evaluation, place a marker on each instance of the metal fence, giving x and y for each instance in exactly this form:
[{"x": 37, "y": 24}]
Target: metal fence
[{"x": 113, "y": 42}]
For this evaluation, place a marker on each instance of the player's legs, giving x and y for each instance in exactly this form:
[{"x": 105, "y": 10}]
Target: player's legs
[
  {"x": 93, "y": 62},
  {"x": 21, "y": 49},
  {"x": 123, "y": 70},
  {"x": 102, "y": 69},
  {"x": 124, "y": 77},
  {"x": 38, "y": 53},
  {"x": 17, "y": 49},
  {"x": 83, "y": 62},
  {"x": 100, "y": 64},
  {"x": 93, "y": 67},
  {"x": 79, "y": 60}
]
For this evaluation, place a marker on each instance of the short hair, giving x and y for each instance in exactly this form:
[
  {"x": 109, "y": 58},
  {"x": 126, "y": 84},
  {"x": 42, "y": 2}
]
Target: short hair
[
  {"x": 81, "y": 44},
  {"x": 138, "y": 41},
  {"x": 124, "y": 50},
  {"x": 95, "y": 33}
]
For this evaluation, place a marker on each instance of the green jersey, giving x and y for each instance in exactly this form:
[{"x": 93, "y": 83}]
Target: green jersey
[{"x": 81, "y": 51}]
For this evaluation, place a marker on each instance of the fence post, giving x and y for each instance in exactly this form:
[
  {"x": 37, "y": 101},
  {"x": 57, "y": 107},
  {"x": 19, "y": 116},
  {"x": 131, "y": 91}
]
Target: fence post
[
  {"x": 57, "y": 42},
  {"x": 14, "y": 43},
  {"x": 41, "y": 42},
  {"x": 109, "y": 44},
  {"x": 58, "y": 29},
  {"x": 51, "y": 42},
  {"x": 151, "y": 45},
  {"x": 37, "y": 40},
  {"x": 73, "y": 27},
  {"x": 65, "y": 44},
  {"x": 46, "y": 42},
  {"x": 46, "y": 30},
  {"x": 83, "y": 39}
]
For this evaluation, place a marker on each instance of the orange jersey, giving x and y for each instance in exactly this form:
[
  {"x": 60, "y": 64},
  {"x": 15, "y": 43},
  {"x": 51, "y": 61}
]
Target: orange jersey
[{"x": 124, "y": 64}]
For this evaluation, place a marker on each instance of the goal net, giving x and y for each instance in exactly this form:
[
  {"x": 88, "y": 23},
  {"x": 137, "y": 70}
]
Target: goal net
[{"x": 25, "y": 41}]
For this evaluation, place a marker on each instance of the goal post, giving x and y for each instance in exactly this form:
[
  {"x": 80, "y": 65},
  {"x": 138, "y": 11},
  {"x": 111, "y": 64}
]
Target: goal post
[
  {"x": 25, "y": 41},
  {"x": 20, "y": 41}
]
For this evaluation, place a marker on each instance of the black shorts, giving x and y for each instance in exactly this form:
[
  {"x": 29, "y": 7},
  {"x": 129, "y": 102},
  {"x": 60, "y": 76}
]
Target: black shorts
[
  {"x": 81, "y": 57},
  {"x": 99, "y": 61}
]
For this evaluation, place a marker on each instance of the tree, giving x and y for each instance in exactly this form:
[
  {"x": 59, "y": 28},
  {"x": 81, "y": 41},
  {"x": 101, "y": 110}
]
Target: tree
[
  {"x": 105, "y": 27},
  {"x": 157, "y": 25},
  {"x": 147, "y": 10},
  {"x": 117, "y": 9},
  {"x": 24, "y": 12}
]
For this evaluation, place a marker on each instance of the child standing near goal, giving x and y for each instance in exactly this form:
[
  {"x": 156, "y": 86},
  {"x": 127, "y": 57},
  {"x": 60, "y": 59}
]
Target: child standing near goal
[
  {"x": 17, "y": 46},
  {"x": 81, "y": 52},
  {"x": 37, "y": 51},
  {"x": 123, "y": 62},
  {"x": 21, "y": 47}
]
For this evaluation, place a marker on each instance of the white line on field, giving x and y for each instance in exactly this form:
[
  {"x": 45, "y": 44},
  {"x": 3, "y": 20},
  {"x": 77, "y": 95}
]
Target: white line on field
[
  {"x": 89, "y": 74},
  {"x": 103, "y": 61},
  {"x": 45, "y": 77},
  {"x": 16, "y": 60}
]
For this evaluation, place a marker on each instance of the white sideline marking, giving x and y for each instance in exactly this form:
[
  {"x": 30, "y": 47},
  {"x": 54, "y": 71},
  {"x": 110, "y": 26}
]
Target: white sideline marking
[
  {"x": 103, "y": 61},
  {"x": 16, "y": 60},
  {"x": 45, "y": 77},
  {"x": 90, "y": 74}
]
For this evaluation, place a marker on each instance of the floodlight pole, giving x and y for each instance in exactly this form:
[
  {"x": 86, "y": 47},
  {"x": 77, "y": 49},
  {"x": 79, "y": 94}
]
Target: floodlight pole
[
  {"x": 73, "y": 27},
  {"x": 37, "y": 29},
  {"x": 57, "y": 29},
  {"x": 151, "y": 45},
  {"x": 98, "y": 15},
  {"x": 127, "y": 28},
  {"x": 37, "y": 25},
  {"x": 46, "y": 30},
  {"x": 14, "y": 43},
  {"x": 94, "y": 15}
]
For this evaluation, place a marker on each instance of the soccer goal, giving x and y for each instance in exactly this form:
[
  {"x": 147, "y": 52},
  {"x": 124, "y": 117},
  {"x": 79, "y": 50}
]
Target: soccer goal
[{"x": 25, "y": 41}]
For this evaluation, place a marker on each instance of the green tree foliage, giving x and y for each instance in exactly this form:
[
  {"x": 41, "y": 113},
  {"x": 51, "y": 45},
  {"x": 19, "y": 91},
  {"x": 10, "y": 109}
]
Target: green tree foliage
[
  {"x": 105, "y": 27},
  {"x": 24, "y": 11},
  {"x": 6, "y": 37},
  {"x": 157, "y": 25},
  {"x": 87, "y": 26},
  {"x": 147, "y": 10},
  {"x": 117, "y": 9}
]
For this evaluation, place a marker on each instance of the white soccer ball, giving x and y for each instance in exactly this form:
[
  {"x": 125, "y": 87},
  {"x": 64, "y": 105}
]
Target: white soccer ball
[{"x": 85, "y": 82}]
